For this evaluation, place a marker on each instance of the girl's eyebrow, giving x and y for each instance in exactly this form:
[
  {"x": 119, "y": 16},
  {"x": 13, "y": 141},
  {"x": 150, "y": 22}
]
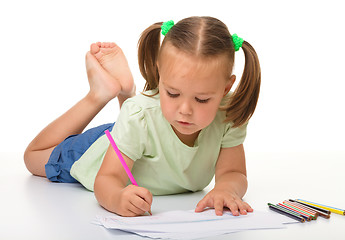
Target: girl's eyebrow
[
  {"x": 206, "y": 93},
  {"x": 170, "y": 87},
  {"x": 197, "y": 93}
]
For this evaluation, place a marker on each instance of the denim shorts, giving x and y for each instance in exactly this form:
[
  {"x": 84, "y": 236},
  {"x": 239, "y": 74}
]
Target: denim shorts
[{"x": 70, "y": 150}]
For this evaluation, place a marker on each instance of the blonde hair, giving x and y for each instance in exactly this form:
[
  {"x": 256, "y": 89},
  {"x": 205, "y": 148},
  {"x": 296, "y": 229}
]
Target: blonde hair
[{"x": 204, "y": 37}]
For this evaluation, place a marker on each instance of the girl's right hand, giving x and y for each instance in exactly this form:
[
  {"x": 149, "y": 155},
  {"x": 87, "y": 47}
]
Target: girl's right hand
[{"x": 133, "y": 201}]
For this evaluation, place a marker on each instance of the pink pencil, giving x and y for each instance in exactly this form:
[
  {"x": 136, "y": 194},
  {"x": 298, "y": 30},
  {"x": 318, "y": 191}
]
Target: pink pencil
[{"x": 118, "y": 153}]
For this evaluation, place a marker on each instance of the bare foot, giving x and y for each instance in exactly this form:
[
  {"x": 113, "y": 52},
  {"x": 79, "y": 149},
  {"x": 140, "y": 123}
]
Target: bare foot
[
  {"x": 113, "y": 60},
  {"x": 102, "y": 85}
]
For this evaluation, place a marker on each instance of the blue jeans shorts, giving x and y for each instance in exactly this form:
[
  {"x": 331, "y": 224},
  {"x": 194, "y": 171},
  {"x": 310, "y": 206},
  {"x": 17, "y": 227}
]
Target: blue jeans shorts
[{"x": 70, "y": 150}]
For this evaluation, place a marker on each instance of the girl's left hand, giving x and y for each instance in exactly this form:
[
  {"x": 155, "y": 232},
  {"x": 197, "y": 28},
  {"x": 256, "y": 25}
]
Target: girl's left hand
[{"x": 218, "y": 199}]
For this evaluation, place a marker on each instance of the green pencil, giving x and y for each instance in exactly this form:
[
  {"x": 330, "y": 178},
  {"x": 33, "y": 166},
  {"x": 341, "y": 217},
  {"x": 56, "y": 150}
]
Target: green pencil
[{"x": 286, "y": 212}]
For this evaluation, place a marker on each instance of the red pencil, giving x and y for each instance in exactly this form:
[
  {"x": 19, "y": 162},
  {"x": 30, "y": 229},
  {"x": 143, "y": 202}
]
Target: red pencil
[
  {"x": 312, "y": 213},
  {"x": 307, "y": 217},
  {"x": 321, "y": 213}
]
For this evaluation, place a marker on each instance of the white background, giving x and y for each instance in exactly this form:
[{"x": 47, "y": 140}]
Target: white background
[
  {"x": 298, "y": 121},
  {"x": 300, "y": 45}
]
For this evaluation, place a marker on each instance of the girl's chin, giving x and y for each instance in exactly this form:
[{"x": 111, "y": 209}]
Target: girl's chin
[{"x": 186, "y": 129}]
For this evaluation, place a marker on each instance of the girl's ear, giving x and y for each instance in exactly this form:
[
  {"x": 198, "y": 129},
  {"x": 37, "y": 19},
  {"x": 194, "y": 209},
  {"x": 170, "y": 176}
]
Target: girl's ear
[{"x": 229, "y": 84}]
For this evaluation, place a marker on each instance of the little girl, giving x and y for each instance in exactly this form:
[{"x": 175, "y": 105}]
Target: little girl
[{"x": 182, "y": 130}]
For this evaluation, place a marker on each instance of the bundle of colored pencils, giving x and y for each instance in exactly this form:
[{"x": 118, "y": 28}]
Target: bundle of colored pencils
[{"x": 302, "y": 210}]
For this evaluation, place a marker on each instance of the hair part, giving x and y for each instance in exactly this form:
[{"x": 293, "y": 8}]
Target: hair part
[{"x": 207, "y": 38}]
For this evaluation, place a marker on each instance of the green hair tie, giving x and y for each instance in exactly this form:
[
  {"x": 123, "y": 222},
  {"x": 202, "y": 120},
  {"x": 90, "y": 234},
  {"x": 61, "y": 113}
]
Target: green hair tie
[
  {"x": 166, "y": 26},
  {"x": 237, "y": 41}
]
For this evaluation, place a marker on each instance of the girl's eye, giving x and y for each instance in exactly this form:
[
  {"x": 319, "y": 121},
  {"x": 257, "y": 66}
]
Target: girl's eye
[
  {"x": 202, "y": 100},
  {"x": 172, "y": 95}
]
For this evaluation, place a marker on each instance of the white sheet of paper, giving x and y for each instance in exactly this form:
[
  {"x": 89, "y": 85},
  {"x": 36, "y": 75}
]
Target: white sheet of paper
[{"x": 188, "y": 224}]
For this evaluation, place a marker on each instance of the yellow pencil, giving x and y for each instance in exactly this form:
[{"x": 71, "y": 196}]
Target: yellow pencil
[{"x": 332, "y": 209}]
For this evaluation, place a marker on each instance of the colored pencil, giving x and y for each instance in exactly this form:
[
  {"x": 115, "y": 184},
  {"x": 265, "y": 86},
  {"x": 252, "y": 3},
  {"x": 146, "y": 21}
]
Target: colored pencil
[
  {"x": 285, "y": 212},
  {"x": 313, "y": 215},
  {"x": 332, "y": 209},
  {"x": 311, "y": 212},
  {"x": 320, "y": 213},
  {"x": 305, "y": 208},
  {"x": 118, "y": 153},
  {"x": 313, "y": 207},
  {"x": 306, "y": 216}
]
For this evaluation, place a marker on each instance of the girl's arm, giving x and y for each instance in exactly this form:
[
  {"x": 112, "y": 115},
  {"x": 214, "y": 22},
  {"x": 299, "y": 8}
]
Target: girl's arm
[
  {"x": 111, "y": 188},
  {"x": 230, "y": 183}
]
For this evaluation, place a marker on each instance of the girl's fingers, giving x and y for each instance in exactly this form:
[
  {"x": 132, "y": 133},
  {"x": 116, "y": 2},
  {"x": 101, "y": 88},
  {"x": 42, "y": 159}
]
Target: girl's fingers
[
  {"x": 135, "y": 209},
  {"x": 236, "y": 205},
  {"x": 137, "y": 200},
  {"x": 248, "y": 207},
  {"x": 131, "y": 213},
  {"x": 218, "y": 206},
  {"x": 241, "y": 207},
  {"x": 145, "y": 194},
  {"x": 141, "y": 205},
  {"x": 200, "y": 207},
  {"x": 205, "y": 202},
  {"x": 232, "y": 205}
]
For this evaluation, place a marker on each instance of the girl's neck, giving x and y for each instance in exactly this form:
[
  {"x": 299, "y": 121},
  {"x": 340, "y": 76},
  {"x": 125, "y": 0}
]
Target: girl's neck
[{"x": 187, "y": 139}]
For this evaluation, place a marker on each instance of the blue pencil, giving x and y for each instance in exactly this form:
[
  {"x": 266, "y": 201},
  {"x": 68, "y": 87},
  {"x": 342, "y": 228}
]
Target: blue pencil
[{"x": 332, "y": 209}]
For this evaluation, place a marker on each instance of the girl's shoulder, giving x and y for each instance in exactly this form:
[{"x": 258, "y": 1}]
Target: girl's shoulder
[{"x": 145, "y": 100}]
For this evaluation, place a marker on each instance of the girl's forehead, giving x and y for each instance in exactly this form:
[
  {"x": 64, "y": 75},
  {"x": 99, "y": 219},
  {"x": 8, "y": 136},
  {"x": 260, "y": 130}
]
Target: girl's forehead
[
  {"x": 181, "y": 71},
  {"x": 173, "y": 61}
]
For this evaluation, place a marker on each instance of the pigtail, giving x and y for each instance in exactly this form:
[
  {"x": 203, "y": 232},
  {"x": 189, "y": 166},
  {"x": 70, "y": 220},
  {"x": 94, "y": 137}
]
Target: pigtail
[
  {"x": 148, "y": 48},
  {"x": 243, "y": 101}
]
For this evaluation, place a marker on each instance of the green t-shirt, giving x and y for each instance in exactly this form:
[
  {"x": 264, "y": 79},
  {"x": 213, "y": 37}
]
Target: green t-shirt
[{"x": 163, "y": 164}]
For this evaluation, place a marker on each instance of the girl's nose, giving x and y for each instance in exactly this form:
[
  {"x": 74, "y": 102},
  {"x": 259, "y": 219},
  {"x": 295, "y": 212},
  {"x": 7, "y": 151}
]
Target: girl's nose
[{"x": 185, "y": 108}]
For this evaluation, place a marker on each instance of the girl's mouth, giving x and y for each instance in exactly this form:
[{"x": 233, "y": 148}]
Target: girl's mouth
[{"x": 184, "y": 123}]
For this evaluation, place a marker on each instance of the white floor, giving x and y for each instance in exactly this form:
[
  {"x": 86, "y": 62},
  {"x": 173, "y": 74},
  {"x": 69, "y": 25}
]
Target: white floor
[{"x": 34, "y": 208}]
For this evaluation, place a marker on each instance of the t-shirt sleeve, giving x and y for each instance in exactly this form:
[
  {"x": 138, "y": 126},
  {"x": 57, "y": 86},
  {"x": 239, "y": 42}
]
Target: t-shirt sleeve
[
  {"x": 130, "y": 130},
  {"x": 233, "y": 136}
]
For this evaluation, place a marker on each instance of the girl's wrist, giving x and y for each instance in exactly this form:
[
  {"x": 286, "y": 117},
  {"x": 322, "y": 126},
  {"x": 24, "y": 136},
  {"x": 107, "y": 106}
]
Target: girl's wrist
[{"x": 112, "y": 203}]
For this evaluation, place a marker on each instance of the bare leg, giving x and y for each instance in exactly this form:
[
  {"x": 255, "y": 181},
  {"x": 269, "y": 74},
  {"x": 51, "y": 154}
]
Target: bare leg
[{"x": 103, "y": 88}]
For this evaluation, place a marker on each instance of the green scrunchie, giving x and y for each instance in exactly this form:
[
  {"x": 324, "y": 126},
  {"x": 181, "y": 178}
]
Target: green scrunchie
[
  {"x": 166, "y": 26},
  {"x": 237, "y": 41}
]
